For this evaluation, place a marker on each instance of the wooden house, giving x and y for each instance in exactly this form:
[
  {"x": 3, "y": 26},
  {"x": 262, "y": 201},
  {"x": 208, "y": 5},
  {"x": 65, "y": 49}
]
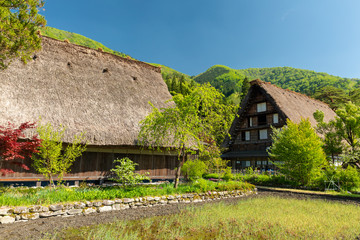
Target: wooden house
[
  {"x": 264, "y": 106},
  {"x": 89, "y": 91}
]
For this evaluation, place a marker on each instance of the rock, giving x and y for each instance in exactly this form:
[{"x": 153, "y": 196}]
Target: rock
[
  {"x": 173, "y": 201},
  {"x": 170, "y": 197},
  {"x": 35, "y": 209},
  {"x": 89, "y": 210},
  {"x": 17, "y": 218},
  {"x": 116, "y": 206},
  {"x": 108, "y": 202},
  {"x": 79, "y": 205},
  {"x": 104, "y": 209},
  {"x": 197, "y": 200},
  {"x": 7, "y": 219},
  {"x": 150, "y": 199},
  {"x": 163, "y": 202},
  {"x": 128, "y": 200},
  {"x": 75, "y": 211},
  {"x": 89, "y": 204},
  {"x": 29, "y": 216},
  {"x": 19, "y": 210},
  {"x": 157, "y": 198},
  {"x": 97, "y": 204},
  {"x": 56, "y": 207},
  {"x": 118, "y": 201},
  {"x": 5, "y": 211},
  {"x": 139, "y": 204},
  {"x": 68, "y": 206}
]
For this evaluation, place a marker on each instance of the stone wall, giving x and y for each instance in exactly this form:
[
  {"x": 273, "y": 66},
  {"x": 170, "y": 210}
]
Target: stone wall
[{"x": 21, "y": 214}]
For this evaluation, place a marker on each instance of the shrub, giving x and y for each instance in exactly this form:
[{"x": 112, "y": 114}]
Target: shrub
[
  {"x": 343, "y": 178},
  {"x": 193, "y": 169},
  {"x": 228, "y": 175},
  {"x": 125, "y": 172}
]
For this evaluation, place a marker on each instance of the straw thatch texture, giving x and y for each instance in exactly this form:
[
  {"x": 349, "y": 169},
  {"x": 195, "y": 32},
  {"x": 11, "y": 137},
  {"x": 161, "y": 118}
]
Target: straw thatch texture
[{"x": 83, "y": 89}]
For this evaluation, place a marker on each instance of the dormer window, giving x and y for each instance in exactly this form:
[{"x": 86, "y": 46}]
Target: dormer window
[{"x": 261, "y": 107}]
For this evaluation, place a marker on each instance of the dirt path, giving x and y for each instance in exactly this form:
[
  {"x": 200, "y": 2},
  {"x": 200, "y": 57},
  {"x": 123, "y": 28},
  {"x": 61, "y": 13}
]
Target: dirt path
[{"x": 37, "y": 229}]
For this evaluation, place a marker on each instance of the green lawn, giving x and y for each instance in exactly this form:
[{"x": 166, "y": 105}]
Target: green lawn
[{"x": 257, "y": 218}]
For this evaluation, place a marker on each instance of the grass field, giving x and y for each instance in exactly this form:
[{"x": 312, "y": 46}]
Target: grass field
[{"x": 257, "y": 218}]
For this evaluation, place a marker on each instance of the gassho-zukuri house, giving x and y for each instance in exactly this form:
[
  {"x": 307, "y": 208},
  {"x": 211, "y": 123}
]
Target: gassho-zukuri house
[
  {"x": 264, "y": 106},
  {"x": 89, "y": 91}
]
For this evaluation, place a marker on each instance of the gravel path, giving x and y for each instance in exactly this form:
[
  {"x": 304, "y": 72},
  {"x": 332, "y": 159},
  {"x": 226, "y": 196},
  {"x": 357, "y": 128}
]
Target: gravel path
[{"x": 37, "y": 229}]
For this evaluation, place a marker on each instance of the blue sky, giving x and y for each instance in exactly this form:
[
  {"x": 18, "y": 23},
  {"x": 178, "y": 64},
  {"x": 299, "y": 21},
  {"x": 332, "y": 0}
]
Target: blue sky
[{"x": 193, "y": 35}]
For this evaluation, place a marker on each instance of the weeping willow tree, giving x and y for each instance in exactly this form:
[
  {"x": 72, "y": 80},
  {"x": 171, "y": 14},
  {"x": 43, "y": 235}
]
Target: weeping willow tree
[{"x": 185, "y": 125}]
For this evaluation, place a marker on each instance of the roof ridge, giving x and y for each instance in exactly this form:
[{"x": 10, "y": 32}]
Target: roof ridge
[
  {"x": 127, "y": 60},
  {"x": 259, "y": 82}
]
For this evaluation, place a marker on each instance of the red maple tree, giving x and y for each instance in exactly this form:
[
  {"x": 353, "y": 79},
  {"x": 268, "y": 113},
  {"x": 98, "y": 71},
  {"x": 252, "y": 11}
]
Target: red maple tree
[{"x": 15, "y": 147}]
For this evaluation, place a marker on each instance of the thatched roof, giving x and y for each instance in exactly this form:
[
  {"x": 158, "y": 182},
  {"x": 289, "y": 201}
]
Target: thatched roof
[
  {"x": 291, "y": 105},
  {"x": 83, "y": 89}
]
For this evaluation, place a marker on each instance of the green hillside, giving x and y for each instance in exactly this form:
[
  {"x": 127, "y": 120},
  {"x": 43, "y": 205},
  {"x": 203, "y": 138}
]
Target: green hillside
[
  {"x": 229, "y": 80},
  {"x": 78, "y": 39}
]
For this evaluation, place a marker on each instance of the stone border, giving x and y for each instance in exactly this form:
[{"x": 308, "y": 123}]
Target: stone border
[{"x": 23, "y": 214}]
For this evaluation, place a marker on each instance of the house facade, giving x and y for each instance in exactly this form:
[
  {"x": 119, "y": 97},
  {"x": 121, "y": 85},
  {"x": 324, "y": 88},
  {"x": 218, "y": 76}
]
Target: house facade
[
  {"x": 266, "y": 106},
  {"x": 86, "y": 90}
]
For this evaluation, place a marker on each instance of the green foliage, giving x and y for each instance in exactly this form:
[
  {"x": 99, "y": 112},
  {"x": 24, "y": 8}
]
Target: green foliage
[
  {"x": 52, "y": 158},
  {"x": 125, "y": 172},
  {"x": 79, "y": 40},
  {"x": 333, "y": 96},
  {"x": 297, "y": 151},
  {"x": 332, "y": 140},
  {"x": 228, "y": 175},
  {"x": 345, "y": 179},
  {"x": 19, "y": 23},
  {"x": 193, "y": 169},
  {"x": 299, "y": 80},
  {"x": 197, "y": 117}
]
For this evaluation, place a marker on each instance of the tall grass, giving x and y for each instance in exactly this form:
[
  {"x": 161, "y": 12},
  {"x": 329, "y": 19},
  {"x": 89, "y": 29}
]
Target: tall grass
[{"x": 260, "y": 218}]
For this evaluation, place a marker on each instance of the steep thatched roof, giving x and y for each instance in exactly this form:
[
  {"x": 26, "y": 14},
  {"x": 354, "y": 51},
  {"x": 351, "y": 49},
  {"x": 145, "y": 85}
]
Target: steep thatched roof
[
  {"x": 295, "y": 105},
  {"x": 291, "y": 105},
  {"x": 83, "y": 89}
]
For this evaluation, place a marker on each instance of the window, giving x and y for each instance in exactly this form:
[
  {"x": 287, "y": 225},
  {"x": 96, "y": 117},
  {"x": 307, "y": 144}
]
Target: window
[
  {"x": 262, "y": 120},
  {"x": 263, "y": 134},
  {"x": 245, "y": 136},
  {"x": 261, "y": 107},
  {"x": 250, "y": 122},
  {"x": 258, "y": 163},
  {"x": 276, "y": 118}
]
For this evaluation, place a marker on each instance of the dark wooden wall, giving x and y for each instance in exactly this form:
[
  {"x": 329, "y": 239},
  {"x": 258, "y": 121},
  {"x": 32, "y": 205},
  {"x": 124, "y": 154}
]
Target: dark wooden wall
[{"x": 95, "y": 165}]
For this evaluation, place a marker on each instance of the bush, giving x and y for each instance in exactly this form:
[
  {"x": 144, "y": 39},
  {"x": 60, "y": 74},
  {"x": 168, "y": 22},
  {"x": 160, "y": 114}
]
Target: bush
[
  {"x": 193, "y": 169},
  {"x": 344, "y": 178},
  {"x": 228, "y": 175},
  {"x": 211, "y": 175},
  {"x": 125, "y": 172}
]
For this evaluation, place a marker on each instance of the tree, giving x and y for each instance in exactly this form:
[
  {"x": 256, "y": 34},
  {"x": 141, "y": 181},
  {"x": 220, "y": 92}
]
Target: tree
[
  {"x": 332, "y": 141},
  {"x": 245, "y": 87},
  {"x": 52, "y": 158},
  {"x": 19, "y": 24},
  {"x": 334, "y": 97},
  {"x": 297, "y": 151},
  {"x": 183, "y": 126},
  {"x": 14, "y": 147},
  {"x": 347, "y": 124},
  {"x": 125, "y": 172}
]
